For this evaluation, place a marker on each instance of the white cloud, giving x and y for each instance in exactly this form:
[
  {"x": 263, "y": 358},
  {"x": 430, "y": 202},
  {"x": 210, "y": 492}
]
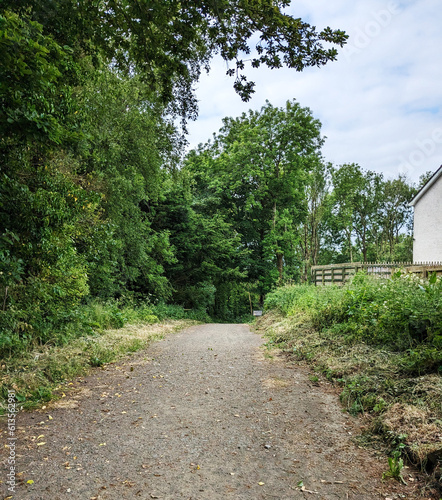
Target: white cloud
[{"x": 380, "y": 104}]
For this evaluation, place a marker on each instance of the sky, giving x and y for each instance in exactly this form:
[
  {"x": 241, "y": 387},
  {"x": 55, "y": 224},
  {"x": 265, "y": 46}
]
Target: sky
[{"x": 380, "y": 103}]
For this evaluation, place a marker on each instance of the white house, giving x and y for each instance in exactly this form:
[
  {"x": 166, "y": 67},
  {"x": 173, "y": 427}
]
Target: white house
[{"x": 427, "y": 244}]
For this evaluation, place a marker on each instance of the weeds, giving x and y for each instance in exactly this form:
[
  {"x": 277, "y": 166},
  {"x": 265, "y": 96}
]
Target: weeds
[
  {"x": 395, "y": 464},
  {"x": 381, "y": 341}
]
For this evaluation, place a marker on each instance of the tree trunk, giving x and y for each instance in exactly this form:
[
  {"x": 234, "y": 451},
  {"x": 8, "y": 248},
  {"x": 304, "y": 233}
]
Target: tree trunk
[
  {"x": 280, "y": 265},
  {"x": 364, "y": 243},
  {"x": 350, "y": 249}
]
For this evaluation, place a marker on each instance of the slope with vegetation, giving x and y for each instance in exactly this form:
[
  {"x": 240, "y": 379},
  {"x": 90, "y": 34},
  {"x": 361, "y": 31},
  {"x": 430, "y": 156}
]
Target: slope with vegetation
[{"x": 381, "y": 341}]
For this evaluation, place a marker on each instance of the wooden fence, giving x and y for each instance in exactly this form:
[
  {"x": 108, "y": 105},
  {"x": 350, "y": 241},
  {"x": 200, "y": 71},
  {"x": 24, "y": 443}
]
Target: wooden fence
[{"x": 340, "y": 273}]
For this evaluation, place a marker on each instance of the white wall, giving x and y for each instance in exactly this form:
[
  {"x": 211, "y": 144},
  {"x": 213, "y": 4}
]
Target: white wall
[{"x": 427, "y": 246}]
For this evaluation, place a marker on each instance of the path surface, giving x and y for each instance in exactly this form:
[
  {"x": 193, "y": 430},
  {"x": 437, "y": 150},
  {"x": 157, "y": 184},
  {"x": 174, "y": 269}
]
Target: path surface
[{"x": 201, "y": 415}]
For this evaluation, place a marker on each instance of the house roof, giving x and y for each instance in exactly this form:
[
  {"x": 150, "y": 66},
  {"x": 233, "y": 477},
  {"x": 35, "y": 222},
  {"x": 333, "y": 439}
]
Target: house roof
[{"x": 426, "y": 186}]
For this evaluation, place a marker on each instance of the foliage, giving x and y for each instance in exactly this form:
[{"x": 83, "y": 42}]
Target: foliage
[
  {"x": 31, "y": 64},
  {"x": 254, "y": 174},
  {"x": 395, "y": 216},
  {"x": 316, "y": 202},
  {"x": 77, "y": 219},
  {"x": 128, "y": 144},
  {"x": 207, "y": 259},
  {"x": 366, "y": 218},
  {"x": 168, "y": 43},
  {"x": 172, "y": 311},
  {"x": 404, "y": 313},
  {"x": 284, "y": 298},
  {"x": 380, "y": 341}
]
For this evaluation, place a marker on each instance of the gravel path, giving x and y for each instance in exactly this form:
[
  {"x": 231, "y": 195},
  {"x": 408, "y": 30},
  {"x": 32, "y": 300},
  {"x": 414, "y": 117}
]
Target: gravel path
[{"x": 201, "y": 415}]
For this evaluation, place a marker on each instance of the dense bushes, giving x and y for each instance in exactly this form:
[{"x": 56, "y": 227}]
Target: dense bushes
[{"x": 403, "y": 314}]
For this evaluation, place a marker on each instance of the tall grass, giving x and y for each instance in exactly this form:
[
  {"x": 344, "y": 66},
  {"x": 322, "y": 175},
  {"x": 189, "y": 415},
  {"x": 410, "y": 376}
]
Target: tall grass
[{"x": 404, "y": 314}]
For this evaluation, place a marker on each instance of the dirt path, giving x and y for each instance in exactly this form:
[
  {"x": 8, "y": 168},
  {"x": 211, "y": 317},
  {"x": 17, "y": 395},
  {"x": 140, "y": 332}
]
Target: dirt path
[{"x": 202, "y": 415}]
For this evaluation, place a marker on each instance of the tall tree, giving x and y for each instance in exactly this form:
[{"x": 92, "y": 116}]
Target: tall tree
[
  {"x": 206, "y": 271},
  {"x": 257, "y": 168},
  {"x": 395, "y": 215},
  {"x": 355, "y": 207},
  {"x": 128, "y": 150},
  {"x": 316, "y": 197}
]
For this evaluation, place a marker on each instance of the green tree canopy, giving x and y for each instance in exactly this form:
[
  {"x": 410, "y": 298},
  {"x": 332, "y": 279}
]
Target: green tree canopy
[
  {"x": 168, "y": 43},
  {"x": 255, "y": 172}
]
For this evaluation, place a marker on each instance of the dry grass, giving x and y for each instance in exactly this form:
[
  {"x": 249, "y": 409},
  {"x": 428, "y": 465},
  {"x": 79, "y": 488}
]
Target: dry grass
[
  {"x": 423, "y": 433},
  {"x": 405, "y": 410},
  {"x": 36, "y": 375},
  {"x": 275, "y": 383}
]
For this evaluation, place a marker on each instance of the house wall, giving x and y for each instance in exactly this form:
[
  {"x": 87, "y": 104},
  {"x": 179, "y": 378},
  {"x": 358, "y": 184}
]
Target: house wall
[{"x": 427, "y": 245}]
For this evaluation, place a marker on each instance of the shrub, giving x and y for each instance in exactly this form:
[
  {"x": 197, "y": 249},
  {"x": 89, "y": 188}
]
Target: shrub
[{"x": 170, "y": 311}]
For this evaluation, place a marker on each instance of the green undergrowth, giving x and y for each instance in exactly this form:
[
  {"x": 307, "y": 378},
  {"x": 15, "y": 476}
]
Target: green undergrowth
[
  {"x": 21, "y": 333},
  {"x": 37, "y": 373},
  {"x": 381, "y": 341}
]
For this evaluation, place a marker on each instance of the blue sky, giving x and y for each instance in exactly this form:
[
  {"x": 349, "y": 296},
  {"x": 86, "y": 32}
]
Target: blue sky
[{"x": 380, "y": 103}]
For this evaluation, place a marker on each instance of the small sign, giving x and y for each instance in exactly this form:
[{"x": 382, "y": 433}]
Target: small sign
[{"x": 257, "y": 313}]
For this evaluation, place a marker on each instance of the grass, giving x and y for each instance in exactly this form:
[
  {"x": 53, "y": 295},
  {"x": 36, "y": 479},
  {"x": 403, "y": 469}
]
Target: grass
[
  {"x": 379, "y": 341},
  {"x": 23, "y": 331},
  {"x": 37, "y": 376}
]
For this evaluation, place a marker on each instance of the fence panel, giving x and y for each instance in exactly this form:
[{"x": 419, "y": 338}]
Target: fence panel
[{"x": 340, "y": 273}]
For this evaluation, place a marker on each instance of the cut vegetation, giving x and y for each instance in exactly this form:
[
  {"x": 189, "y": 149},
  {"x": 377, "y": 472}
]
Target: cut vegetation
[
  {"x": 381, "y": 341},
  {"x": 41, "y": 372}
]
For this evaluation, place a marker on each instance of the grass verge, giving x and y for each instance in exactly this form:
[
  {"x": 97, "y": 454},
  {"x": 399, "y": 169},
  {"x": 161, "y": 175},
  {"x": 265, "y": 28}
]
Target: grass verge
[
  {"x": 391, "y": 376},
  {"x": 36, "y": 376}
]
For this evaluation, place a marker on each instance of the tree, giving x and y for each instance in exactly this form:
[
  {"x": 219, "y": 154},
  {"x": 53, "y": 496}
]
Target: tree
[
  {"x": 340, "y": 216},
  {"x": 316, "y": 199},
  {"x": 76, "y": 216},
  {"x": 128, "y": 147},
  {"x": 33, "y": 98},
  {"x": 168, "y": 43},
  {"x": 206, "y": 271},
  {"x": 395, "y": 216},
  {"x": 355, "y": 207},
  {"x": 366, "y": 209},
  {"x": 367, "y": 218},
  {"x": 256, "y": 170}
]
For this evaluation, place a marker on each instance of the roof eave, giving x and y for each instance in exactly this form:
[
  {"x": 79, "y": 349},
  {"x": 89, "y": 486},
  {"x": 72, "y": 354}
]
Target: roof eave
[{"x": 426, "y": 187}]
